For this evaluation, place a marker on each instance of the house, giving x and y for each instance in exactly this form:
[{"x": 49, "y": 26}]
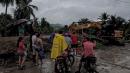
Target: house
[{"x": 19, "y": 28}]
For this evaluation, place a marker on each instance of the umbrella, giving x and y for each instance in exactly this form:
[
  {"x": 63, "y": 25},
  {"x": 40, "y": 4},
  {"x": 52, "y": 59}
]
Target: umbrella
[{"x": 21, "y": 21}]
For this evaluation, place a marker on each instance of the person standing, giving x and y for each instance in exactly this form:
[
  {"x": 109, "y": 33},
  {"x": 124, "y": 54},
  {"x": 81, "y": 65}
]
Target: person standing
[
  {"x": 88, "y": 51},
  {"x": 59, "y": 45},
  {"x": 68, "y": 40},
  {"x": 74, "y": 39},
  {"x": 34, "y": 48},
  {"x": 51, "y": 37},
  {"x": 40, "y": 49},
  {"x": 21, "y": 52}
]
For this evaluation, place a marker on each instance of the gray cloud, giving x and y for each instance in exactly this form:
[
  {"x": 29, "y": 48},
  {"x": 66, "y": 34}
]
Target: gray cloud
[{"x": 67, "y": 11}]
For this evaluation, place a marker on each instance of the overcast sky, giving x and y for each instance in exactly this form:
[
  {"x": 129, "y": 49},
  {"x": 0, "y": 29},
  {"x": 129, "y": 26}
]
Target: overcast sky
[{"x": 67, "y": 11}]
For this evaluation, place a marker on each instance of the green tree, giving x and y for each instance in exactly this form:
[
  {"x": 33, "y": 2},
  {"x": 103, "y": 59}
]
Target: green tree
[
  {"x": 6, "y": 3},
  {"x": 115, "y": 23},
  {"x": 104, "y": 17},
  {"x": 24, "y": 9},
  {"x": 112, "y": 20},
  {"x": 120, "y": 21},
  {"x": 84, "y": 20},
  {"x": 45, "y": 26},
  {"x": 44, "y": 23},
  {"x": 5, "y": 19},
  {"x": 127, "y": 30},
  {"x": 109, "y": 25},
  {"x": 65, "y": 29},
  {"x": 128, "y": 27}
]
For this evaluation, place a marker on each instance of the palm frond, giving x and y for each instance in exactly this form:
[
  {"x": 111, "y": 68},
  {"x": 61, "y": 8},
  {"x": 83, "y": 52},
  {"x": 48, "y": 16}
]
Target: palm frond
[
  {"x": 32, "y": 13},
  {"x": 34, "y": 7},
  {"x": 7, "y": 2},
  {"x": 26, "y": 9},
  {"x": 28, "y": 1}
]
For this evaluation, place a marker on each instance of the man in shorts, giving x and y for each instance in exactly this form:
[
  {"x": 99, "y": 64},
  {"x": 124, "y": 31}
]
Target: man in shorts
[
  {"x": 40, "y": 49},
  {"x": 34, "y": 47}
]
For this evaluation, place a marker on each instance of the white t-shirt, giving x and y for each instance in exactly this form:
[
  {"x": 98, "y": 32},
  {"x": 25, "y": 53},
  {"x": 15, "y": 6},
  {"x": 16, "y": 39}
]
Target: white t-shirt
[{"x": 34, "y": 38}]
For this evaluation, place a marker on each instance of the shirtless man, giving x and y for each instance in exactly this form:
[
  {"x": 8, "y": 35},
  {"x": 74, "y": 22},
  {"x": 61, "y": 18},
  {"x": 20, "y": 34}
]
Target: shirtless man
[{"x": 40, "y": 49}]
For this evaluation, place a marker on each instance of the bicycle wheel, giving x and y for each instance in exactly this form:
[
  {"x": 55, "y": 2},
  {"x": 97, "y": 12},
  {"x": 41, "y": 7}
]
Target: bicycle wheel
[
  {"x": 86, "y": 67},
  {"x": 70, "y": 60},
  {"x": 93, "y": 68},
  {"x": 59, "y": 66},
  {"x": 90, "y": 67}
]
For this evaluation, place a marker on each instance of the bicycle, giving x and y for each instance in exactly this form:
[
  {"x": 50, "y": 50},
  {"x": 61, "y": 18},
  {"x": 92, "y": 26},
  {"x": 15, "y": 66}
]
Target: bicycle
[
  {"x": 63, "y": 63},
  {"x": 89, "y": 65}
]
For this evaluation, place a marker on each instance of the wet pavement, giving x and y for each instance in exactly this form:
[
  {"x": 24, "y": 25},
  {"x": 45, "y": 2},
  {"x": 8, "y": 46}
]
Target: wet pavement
[
  {"x": 111, "y": 59},
  {"x": 114, "y": 59}
]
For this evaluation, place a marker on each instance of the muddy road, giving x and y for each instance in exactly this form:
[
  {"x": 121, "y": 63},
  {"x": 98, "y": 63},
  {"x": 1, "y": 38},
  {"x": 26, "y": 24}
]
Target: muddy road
[{"x": 110, "y": 59}]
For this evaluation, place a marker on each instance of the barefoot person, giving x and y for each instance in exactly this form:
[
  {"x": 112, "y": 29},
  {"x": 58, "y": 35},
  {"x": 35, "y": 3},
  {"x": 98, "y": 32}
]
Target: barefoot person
[
  {"x": 34, "y": 48},
  {"x": 21, "y": 52},
  {"x": 40, "y": 49}
]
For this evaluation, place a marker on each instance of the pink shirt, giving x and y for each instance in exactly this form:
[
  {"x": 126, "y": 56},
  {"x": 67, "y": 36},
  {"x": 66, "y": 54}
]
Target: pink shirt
[
  {"x": 88, "y": 48},
  {"x": 74, "y": 39},
  {"x": 21, "y": 47}
]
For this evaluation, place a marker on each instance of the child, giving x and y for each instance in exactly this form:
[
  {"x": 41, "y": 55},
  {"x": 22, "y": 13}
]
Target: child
[{"x": 21, "y": 52}]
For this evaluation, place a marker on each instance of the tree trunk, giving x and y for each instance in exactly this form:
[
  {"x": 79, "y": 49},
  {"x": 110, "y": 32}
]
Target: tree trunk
[
  {"x": 3, "y": 33},
  {"x": 6, "y": 9}
]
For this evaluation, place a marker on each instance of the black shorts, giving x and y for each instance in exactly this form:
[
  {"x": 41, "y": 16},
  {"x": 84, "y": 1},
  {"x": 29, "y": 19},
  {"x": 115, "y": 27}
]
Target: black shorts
[
  {"x": 74, "y": 45},
  {"x": 88, "y": 59}
]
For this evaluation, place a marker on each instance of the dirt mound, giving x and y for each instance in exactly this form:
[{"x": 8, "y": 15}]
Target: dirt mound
[{"x": 8, "y": 43}]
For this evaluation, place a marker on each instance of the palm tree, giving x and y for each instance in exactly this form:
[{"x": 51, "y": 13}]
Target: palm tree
[
  {"x": 25, "y": 9},
  {"x": 5, "y": 19},
  {"x": 120, "y": 22},
  {"x": 112, "y": 20},
  {"x": 45, "y": 26},
  {"x": 6, "y": 3},
  {"x": 104, "y": 17},
  {"x": 44, "y": 23}
]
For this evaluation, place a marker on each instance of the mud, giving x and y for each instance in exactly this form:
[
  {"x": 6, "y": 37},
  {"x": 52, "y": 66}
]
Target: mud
[{"x": 111, "y": 59}]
